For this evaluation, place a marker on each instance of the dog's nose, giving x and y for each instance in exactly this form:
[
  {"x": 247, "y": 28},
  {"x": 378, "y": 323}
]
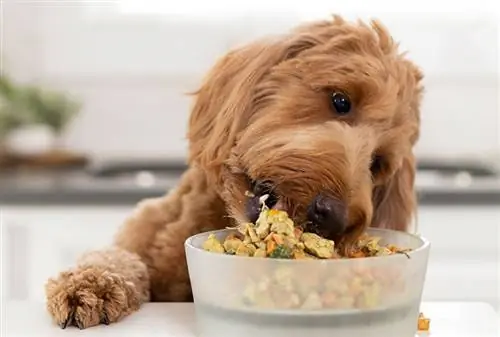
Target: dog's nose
[{"x": 328, "y": 215}]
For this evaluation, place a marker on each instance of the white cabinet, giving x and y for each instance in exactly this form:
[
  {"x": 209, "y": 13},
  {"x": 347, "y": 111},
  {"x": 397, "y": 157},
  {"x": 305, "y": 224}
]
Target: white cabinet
[
  {"x": 464, "y": 260},
  {"x": 15, "y": 259},
  {"x": 39, "y": 242}
]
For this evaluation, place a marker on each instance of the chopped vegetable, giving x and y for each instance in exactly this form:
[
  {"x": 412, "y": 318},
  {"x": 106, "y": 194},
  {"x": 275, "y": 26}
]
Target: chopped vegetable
[
  {"x": 213, "y": 245},
  {"x": 317, "y": 246},
  {"x": 424, "y": 324},
  {"x": 281, "y": 252},
  {"x": 231, "y": 244}
]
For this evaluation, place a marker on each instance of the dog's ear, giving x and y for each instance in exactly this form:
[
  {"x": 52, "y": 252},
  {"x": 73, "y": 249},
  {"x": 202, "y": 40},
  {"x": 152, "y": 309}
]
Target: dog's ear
[
  {"x": 229, "y": 94},
  {"x": 395, "y": 202},
  {"x": 223, "y": 105}
]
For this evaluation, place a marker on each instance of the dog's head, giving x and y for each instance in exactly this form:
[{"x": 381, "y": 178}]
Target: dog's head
[{"x": 323, "y": 120}]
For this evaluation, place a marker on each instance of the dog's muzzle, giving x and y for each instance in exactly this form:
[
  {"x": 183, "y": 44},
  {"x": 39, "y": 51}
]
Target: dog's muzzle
[
  {"x": 327, "y": 216},
  {"x": 258, "y": 189}
]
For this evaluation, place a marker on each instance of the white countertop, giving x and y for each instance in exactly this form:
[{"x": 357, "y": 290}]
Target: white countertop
[{"x": 29, "y": 319}]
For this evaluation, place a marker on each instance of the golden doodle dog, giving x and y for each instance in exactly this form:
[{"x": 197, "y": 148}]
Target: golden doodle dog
[{"x": 323, "y": 119}]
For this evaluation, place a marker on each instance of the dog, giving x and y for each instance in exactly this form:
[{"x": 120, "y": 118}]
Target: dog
[{"x": 323, "y": 120}]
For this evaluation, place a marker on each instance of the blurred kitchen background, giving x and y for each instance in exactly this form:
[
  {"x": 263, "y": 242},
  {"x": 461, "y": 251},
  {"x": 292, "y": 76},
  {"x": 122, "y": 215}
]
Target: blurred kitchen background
[{"x": 98, "y": 90}]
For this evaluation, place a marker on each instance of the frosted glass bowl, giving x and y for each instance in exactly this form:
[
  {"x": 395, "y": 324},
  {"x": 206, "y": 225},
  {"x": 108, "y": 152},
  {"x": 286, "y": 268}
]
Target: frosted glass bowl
[{"x": 381, "y": 296}]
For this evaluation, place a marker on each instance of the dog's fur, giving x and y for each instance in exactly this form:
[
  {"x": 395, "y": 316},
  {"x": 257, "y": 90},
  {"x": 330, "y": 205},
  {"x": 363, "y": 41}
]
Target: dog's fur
[{"x": 263, "y": 113}]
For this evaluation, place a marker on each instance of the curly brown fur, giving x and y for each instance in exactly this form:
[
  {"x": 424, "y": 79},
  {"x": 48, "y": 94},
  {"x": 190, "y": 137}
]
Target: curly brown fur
[
  {"x": 148, "y": 263},
  {"x": 263, "y": 114},
  {"x": 104, "y": 287}
]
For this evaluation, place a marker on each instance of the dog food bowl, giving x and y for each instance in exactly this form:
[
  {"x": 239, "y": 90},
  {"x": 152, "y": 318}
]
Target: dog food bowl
[{"x": 369, "y": 297}]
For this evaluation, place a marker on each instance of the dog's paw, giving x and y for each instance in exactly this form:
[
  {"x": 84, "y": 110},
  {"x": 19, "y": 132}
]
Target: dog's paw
[{"x": 90, "y": 296}]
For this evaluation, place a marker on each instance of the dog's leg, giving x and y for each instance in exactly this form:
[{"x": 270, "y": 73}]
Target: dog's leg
[{"x": 147, "y": 262}]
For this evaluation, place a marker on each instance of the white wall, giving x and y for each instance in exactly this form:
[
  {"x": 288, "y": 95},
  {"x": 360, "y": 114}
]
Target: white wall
[{"x": 132, "y": 71}]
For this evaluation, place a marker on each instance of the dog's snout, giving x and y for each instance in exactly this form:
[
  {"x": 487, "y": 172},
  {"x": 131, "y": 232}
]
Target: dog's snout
[{"x": 328, "y": 215}]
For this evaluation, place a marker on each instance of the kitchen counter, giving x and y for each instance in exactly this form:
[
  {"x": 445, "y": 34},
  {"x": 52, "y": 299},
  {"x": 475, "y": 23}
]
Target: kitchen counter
[
  {"x": 79, "y": 187},
  {"x": 29, "y": 319}
]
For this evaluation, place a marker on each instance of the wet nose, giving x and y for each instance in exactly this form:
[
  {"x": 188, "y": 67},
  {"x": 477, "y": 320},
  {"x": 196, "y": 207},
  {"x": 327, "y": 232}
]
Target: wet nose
[{"x": 328, "y": 215}]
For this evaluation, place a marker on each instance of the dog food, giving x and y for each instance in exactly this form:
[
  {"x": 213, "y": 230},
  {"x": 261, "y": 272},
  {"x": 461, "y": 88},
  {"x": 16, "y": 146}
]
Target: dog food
[
  {"x": 275, "y": 235},
  {"x": 423, "y": 323},
  {"x": 350, "y": 286}
]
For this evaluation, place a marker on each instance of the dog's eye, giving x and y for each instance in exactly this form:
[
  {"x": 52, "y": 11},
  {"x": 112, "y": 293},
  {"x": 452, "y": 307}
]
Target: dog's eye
[
  {"x": 377, "y": 165},
  {"x": 340, "y": 103}
]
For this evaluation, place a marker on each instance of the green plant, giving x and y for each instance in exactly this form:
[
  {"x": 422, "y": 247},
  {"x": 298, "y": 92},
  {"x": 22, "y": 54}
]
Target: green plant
[
  {"x": 28, "y": 104},
  {"x": 13, "y": 113},
  {"x": 51, "y": 108}
]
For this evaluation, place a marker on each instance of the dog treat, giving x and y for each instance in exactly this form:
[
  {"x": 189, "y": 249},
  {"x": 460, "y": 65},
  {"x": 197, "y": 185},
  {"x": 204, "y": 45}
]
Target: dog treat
[
  {"x": 424, "y": 323},
  {"x": 274, "y": 235}
]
